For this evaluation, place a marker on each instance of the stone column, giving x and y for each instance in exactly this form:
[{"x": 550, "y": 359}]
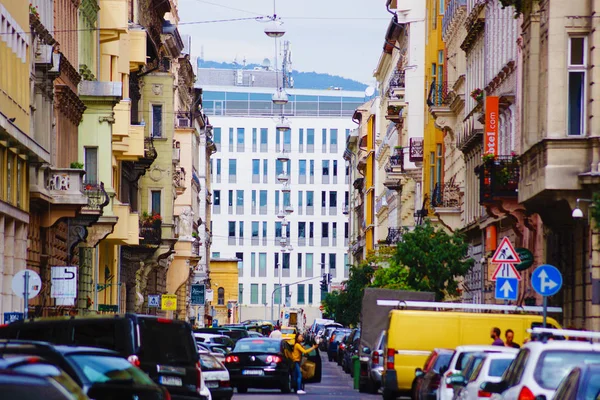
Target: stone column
[
  {"x": 9, "y": 302},
  {"x": 85, "y": 285}
]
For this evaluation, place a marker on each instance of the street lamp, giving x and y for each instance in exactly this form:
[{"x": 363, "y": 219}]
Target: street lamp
[
  {"x": 274, "y": 29},
  {"x": 280, "y": 97},
  {"x": 577, "y": 213}
]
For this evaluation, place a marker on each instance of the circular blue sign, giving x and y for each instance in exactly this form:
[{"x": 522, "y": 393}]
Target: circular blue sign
[{"x": 546, "y": 280}]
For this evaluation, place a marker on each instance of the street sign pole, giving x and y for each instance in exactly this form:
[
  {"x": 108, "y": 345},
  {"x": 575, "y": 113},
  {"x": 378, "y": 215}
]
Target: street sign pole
[
  {"x": 26, "y": 295},
  {"x": 545, "y": 312}
]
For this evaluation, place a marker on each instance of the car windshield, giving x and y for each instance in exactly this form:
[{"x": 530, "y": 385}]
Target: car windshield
[
  {"x": 220, "y": 340},
  {"x": 53, "y": 372},
  {"x": 236, "y": 334},
  {"x": 288, "y": 331},
  {"x": 209, "y": 363},
  {"x": 554, "y": 365},
  {"x": 108, "y": 369},
  {"x": 156, "y": 347},
  {"x": 497, "y": 367},
  {"x": 257, "y": 346}
]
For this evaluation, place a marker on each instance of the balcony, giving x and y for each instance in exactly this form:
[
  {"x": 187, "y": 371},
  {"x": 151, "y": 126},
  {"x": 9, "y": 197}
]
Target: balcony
[
  {"x": 65, "y": 186},
  {"x": 150, "y": 235},
  {"x": 438, "y": 95},
  {"x": 394, "y": 113},
  {"x": 454, "y": 9},
  {"x": 179, "y": 180},
  {"x": 97, "y": 197},
  {"x": 381, "y": 203},
  {"x": 394, "y": 170},
  {"x": 394, "y": 236},
  {"x": 446, "y": 195},
  {"x": 396, "y": 87},
  {"x": 498, "y": 178},
  {"x": 176, "y": 153},
  {"x": 415, "y": 153}
]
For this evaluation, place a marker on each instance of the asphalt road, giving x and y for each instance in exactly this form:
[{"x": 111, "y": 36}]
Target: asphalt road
[{"x": 335, "y": 385}]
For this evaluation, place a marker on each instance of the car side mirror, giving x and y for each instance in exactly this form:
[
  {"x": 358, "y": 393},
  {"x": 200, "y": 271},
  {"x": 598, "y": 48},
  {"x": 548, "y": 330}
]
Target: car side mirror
[
  {"x": 418, "y": 372},
  {"x": 493, "y": 387},
  {"x": 540, "y": 397},
  {"x": 366, "y": 350}
]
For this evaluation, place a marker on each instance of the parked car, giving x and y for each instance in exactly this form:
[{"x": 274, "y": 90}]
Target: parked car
[
  {"x": 370, "y": 380},
  {"x": 17, "y": 385},
  {"x": 541, "y": 365},
  {"x": 350, "y": 350},
  {"x": 265, "y": 364},
  {"x": 326, "y": 336},
  {"x": 473, "y": 361},
  {"x": 101, "y": 374},
  {"x": 583, "y": 382},
  {"x": 336, "y": 338},
  {"x": 223, "y": 342},
  {"x": 216, "y": 377},
  {"x": 37, "y": 366},
  {"x": 140, "y": 338},
  {"x": 253, "y": 334},
  {"x": 234, "y": 333},
  {"x": 427, "y": 380},
  {"x": 467, "y": 384},
  {"x": 459, "y": 360}
]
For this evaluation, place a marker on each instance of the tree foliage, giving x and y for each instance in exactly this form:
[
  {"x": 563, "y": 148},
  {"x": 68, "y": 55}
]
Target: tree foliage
[{"x": 433, "y": 260}]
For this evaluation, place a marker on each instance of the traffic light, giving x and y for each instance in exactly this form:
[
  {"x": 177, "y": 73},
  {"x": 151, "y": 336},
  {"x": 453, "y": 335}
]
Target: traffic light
[
  {"x": 324, "y": 283},
  {"x": 228, "y": 313}
]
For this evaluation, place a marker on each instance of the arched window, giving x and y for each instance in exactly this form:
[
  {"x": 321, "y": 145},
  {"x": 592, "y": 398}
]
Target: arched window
[{"x": 221, "y": 296}]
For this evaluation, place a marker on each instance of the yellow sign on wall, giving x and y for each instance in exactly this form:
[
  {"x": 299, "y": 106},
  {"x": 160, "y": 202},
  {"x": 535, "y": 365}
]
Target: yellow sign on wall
[{"x": 168, "y": 302}]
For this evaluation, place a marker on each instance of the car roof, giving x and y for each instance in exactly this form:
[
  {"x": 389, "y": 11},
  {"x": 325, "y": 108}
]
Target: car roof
[
  {"x": 561, "y": 345},
  {"x": 7, "y": 344},
  {"x": 501, "y": 356},
  {"x": 495, "y": 349}
]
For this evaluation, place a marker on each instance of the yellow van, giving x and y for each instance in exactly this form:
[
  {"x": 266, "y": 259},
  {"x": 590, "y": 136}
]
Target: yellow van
[{"x": 413, "y": 334}]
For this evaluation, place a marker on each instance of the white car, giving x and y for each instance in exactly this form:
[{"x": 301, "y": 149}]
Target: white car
[
  {"x": 216, "y": 377},
  {"x": 542, "y": 364},
  {"x": 458, "y": 361},
  {"x": 490, "y": 369}
]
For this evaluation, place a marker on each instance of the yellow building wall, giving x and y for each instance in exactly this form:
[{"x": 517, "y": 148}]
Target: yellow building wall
[
  {"x": 223, "y": 273},
  {"x": 370, "y": 187},
  {"x": 433, "y": 138},
  {"x": 15, "y": 58},
  {"x": 108, "y": 273}
]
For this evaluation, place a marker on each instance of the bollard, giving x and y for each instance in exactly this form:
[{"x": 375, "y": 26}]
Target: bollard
[{"x": 356, "y": 371}]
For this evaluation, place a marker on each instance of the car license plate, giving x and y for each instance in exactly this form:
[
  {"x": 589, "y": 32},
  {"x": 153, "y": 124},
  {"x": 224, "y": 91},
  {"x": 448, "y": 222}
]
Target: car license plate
[
  {"x": 212, "y": 384},
  {"x": 253, "y": 372},
  {"x": 170, "y": 380}
]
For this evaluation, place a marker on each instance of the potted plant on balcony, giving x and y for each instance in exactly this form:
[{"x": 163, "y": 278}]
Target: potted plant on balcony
[
  {"x": 488, "y": 158},
  {"x": 153, "y": 220},
  {"x": 394, "y": 110},
  {"x": 477, "y": 95},
  {"x": 76, "y": 165}
]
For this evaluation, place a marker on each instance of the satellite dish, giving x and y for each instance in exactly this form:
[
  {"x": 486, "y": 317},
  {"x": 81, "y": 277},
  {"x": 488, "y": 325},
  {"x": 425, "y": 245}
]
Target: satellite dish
[
  {"x": 266, "y": 64},
  {"x": 369, "y": 91}
]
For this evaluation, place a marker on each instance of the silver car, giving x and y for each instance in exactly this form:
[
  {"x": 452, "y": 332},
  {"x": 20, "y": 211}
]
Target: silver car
[{"x": 371, "y": 382}]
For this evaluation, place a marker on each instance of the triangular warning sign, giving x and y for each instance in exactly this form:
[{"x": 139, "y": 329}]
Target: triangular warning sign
[
  {"x": 506, "y": 253},
  {"x": 507, "y": 271}
]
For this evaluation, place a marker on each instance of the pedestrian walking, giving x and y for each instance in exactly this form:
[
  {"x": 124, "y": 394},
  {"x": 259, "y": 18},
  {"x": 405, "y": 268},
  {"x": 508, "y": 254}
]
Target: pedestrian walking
[
  {"x": 297, "y": 353},
  {"x": 510, "y": 335},
  {"x": 495, "y": 335}
]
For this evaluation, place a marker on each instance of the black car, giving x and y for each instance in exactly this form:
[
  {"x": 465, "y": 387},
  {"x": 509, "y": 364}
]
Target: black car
[
  {"x": 234, "y": 333},
  {"x": 265, "y": 364},
  {"x": 351, "y": 347},
  {"x": 164, "y": 348},
  {"x": 17, "y": 385},
  {"x": 427, "y": 380},
  {"x": 336, "y": 338},
  {"x": 102, "y": 374}
]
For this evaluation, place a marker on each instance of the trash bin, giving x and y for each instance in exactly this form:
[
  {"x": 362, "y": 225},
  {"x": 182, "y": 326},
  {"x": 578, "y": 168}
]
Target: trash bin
[{"x": 356, "y": 370}]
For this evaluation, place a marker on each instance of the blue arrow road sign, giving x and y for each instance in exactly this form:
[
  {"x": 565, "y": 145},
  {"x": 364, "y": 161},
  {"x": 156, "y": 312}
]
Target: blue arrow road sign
[
  {"x": 546, "y": 280},
  {"x": 507, "y": 288}
]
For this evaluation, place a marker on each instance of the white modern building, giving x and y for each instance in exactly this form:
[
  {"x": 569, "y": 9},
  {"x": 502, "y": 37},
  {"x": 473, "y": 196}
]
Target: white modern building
[{"x": 249, "y": 196}]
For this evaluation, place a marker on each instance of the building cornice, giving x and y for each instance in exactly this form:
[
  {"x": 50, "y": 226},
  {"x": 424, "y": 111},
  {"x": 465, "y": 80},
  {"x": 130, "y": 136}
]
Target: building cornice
[
  {"x": 69, "y": 103},
  {"x": 475, "y": 31}
]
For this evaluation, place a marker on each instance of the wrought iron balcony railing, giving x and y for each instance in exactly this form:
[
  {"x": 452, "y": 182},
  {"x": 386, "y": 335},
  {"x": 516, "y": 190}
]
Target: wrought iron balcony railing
[
  {"x": 416, "y": 150},
  {"x": 394, "y": 235},
  {"x": 149, "y": 149},
  {"x": 150, "y": 235},
  {"x": 438, "y": 94},
  {"x": 446, "y": 195},
  {"x": 498, "y": 178},
  {"x": 97, "y": 196},
  {"x": 396, "y": 82},
  {"x": 396, "y": 161}
]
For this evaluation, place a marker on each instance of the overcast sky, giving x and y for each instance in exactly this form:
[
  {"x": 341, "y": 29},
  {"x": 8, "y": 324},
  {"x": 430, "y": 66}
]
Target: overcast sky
[{"x": 339, "y": 38}]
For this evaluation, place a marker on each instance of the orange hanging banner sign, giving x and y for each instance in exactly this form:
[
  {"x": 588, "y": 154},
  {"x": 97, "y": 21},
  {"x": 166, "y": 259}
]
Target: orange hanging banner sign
[{"x": 491, "y": 125}]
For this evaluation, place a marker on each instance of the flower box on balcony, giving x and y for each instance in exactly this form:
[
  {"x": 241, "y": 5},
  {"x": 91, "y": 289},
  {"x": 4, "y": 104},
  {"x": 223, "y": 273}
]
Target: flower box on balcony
[{"x": 498, "y": 177}]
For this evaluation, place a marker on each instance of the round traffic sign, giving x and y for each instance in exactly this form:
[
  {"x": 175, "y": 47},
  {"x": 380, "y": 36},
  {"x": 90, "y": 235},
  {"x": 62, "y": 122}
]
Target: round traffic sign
[
  {"x": 34, "y": 283},
  {"x": 546, "y": 280}
]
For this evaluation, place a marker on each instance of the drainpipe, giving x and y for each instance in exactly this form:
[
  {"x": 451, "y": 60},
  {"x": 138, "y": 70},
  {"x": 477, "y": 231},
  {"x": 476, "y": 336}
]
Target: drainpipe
[{"x": 98, "y": 45}]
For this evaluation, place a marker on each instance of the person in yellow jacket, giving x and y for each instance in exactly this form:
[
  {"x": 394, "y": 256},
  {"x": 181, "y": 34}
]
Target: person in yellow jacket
[{"x": 297, "y": 353}]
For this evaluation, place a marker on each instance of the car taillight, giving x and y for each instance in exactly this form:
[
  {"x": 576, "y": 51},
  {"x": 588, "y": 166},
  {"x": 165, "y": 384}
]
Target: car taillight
[
  {"x": 33, "y": 360},
  {"x": 232, "y": 359},
  {"x": 199, "y": 376},
  {"x": 224, "y": 384},
  {"x": 342, "y": 346},
  {"x": 273, "y": 359},
  {"x": 448, "y": 375},
  {"x": 164, "y": 320},
  {"x": 526, "y": 394},
  {"x": 134, "y": 360},
  {"x": 390, "y": 358},
  {"x": 166, "y": 393},
  {"x": 481, "y": 393},
  {"x": 375, "y": 357}
]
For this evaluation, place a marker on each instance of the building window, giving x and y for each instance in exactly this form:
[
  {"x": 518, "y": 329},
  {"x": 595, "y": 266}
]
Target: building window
[
  {"x": 262, "y": 264},
  {"x": 277, "y": 293},
  {"x": 156, "y": 120},
  {"x": 264, "y": 230},
  {"x": 310, "y": 294},
  {"x": 263, "y": 198},
  {"x": 230, "y": 202},
  {"x": 155, "y": 200},
  {"x": 264, "y": 139},
  {"x": 221, "y": 296},
  {"x": 301, "y": 229},
  {"x": 239, "y": 196},
  {"x": 302, "y": 167},
  {"x": 333, "y": 137},
  {"x": 253, "y": 138},
  {"x": 334, "y": 230},
  {"x": 230, "y": 139},
  {"x": 217, "y": 198},
  {"x": 299, "y": 264},
  {"x": 255, "y": 167},
  {"x": 264, "y": 293},
  {"x": 300, "y": 194},
  {"x": 438, "y": 162},
  {"x": 241, "y": 230},
  {"x": 278, "y": 167},
  {"x": 231, "y": 229},
  {"x": 287, "y": 139},
  {"x": 91, "y": 164},
  {"x": 254, "y": 229},
  {"x": 240, "y": 258},
  {"x": 254, "y": 293},
  {"x": 277, "y": 199},
  {"x": 346, "y": 230},
  {"x": 240, "y": 137},
  {"x": 310, "y": 198},
  {"x": 324, "y": 131},
  {"x": 322, "y": 262},
  {"x": 310, "y": 137},
  {"x": 334, "y": 168},
  {"x": 431, "y": 171},
  {"x": 301, "y": 137},
  {"x": 325, "y": 167},
  {"x": 309, "y": 265},
  {"x": 286, "y": 199},
  {"x": 300, "y": 289},
  {"x": 325, "y": 229},
  {"x": 218, "y": 167},
  {"x": 323, "y": 199},
  {"x": 346, "y": 266},
  {"x": 286, "y": 260},
  {"x": 311, "y": 170},
  {"x": 332, "y": 199},
  {"x": 332, "y": 257},
  {"x": 216, "y": 254},
  {"x": 232, "y": 167},
  {"x": 253, "y": 201},
  {"x": 577, "y": 67},
  {"x": 217, "y": 135},
  {"x": 277, "y": 230},
  {"x": 241, "y": 293},
  {"x": 311, "y": 230}
]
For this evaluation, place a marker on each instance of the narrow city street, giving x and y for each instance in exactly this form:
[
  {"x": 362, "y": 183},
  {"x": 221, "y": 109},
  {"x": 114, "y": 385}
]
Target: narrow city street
[{"x": 335, "y": 385}]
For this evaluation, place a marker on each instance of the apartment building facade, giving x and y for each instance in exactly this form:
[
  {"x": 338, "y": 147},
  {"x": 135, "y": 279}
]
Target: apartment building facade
[{"x": 248, "y": 197}]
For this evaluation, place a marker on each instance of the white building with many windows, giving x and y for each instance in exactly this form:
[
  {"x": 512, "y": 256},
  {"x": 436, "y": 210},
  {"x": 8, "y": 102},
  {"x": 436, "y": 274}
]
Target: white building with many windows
[{"x": 249, "y": 198}]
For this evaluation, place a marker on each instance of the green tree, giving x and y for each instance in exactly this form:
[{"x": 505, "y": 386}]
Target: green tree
[
  {"x": 433, "y": 259},
  {"x": 393, "y": 277}
]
